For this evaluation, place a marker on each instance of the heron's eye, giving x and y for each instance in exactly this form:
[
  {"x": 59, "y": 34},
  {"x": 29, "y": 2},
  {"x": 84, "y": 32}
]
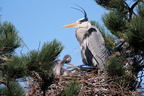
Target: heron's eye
[{"x": 80, "y": 22}]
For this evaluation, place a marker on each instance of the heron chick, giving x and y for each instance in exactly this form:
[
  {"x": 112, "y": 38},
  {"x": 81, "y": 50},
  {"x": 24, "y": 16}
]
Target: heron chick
[
  {"x": 66, "y": 59},
  {"x": 93, "y": 50},
  {"x": 58, "y": 65}
]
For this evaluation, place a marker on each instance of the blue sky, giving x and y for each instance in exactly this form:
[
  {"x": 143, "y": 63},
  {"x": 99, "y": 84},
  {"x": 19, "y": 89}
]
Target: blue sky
[{"x": 42, "y": 21}]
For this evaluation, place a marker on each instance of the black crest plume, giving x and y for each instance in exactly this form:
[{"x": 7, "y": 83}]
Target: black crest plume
[{"x": 83, "y": 11}]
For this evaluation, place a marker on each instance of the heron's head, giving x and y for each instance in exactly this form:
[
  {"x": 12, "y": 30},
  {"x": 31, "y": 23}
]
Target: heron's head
[{"x": 81, "y": 22}]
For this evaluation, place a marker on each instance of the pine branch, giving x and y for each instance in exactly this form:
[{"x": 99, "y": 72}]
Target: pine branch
[
  {"x": 73, "y": 65},
  {"x": 3, "y": 58},
  {"x": 37, "y": 75},
  {"x": 2, "y": 81},
  {"x": 132, "y": 8},
  {"x": 23, "y": 43}
]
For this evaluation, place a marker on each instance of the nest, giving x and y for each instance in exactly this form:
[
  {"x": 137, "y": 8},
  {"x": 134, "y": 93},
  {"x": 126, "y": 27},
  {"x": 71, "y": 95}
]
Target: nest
[{"x": 92, "y": 85}]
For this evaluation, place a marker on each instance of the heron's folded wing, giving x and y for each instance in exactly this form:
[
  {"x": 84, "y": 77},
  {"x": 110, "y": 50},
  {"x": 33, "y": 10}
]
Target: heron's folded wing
[{"x": 96, "y": 45}]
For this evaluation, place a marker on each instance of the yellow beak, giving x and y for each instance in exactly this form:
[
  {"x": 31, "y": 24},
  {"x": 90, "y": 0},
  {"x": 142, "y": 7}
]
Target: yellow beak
[{"x": 71, "y": 25}]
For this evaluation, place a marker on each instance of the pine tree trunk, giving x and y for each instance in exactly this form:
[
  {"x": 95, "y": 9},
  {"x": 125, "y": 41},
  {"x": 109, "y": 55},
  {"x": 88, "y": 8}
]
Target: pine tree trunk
[
  {"x": 44, "y": 92},
  {"x": 9, "y": 88}
]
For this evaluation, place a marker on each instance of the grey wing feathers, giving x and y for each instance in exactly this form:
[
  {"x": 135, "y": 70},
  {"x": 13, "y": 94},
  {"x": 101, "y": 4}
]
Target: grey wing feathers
[{"x": 96, "y": 45}]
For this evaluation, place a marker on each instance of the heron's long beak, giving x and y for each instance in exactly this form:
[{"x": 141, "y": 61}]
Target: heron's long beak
[{"x": 71, "y": 25}]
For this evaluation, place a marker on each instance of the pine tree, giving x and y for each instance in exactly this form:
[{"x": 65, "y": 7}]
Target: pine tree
[
  {"x": 72, "y": 89},
  {"x": 40, "y": 63},
  {"x": 126, "y": 22},
  {"x": 10, "y": 70},
  {"x": 37, "y": 64}
]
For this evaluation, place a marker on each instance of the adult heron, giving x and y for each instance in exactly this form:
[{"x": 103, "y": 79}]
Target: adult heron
[{"x": 93, "y": 50}]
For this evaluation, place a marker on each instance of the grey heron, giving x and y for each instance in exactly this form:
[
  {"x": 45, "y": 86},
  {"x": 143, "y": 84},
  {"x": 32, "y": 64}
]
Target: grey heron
[
  {"x": 58, "y": 65},
  {"x": 93, "y": 50}
]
